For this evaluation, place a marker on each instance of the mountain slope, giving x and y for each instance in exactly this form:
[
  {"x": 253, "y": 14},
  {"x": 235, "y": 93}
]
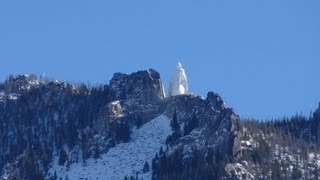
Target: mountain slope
[
  {"x": 129, "y": 129},
  {"x": 125, "y": 159}
]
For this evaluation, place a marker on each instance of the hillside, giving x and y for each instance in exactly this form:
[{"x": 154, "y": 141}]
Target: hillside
[{"x": 129, "y": 129}]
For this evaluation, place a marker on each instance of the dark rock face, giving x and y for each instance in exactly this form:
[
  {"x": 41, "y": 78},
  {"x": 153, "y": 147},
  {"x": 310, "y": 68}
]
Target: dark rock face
[
  {"x": 140, "y": 94},
  {"x": 143, "y": 86},
  {"x": 213, "y": 136},
  {"x": 214, "y": 100},
  {"x": 217, "y": 123}
]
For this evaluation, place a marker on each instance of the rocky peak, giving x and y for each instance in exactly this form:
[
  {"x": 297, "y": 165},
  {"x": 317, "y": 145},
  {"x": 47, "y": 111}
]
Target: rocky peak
[
  {"x": 14, "y": 86},
  {"x": 215, "y": 123},
  {"x": 143, "y": 86},
  {"x": 21, "y": 82},
  {"x": 139, "y": 95},
  {"x": 215, "y": 101}
]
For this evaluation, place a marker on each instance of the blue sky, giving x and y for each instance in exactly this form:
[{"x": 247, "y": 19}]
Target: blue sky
[{"x": 262, "y": 57}]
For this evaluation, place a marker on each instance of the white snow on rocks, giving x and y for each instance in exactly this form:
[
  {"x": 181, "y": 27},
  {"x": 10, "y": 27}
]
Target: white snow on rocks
[
  {"x": 125, "y": 158},
  {"x": 2, "y": 96},
  {"x": 115, "y": 109},
  {"x": 178, "y": 83}
]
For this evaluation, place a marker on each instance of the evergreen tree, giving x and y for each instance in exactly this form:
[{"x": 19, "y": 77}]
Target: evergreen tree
[
  {"x": 276, "y": 170},
  {"x": 296, "y": 173},
  {"x": 123, "y": 132},
  {"x": 190, "y": 125},
  {"x": 176, "y": 134},
  {"x": 146, "y": 167},
  {"x": 174, "y": 122},
  {"x": 63, "y": 157}
]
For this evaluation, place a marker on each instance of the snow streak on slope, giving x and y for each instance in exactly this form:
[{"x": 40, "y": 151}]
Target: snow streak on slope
[{"x": 124, "y": 159}]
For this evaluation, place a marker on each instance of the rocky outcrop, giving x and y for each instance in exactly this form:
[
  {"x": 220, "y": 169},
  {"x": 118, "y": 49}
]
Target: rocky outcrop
[
  {"x": 215, "y": 101},
  {"x": 20, "y": 83},
  {"x": 139, "y": 94},
  {"x": 143, "y": 86},
  {"x": 208, "y": 130},
  {"x": 115, "y": 110}
]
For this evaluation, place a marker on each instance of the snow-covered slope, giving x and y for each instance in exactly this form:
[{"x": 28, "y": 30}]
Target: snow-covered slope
[{"x": 125, "y": 158}]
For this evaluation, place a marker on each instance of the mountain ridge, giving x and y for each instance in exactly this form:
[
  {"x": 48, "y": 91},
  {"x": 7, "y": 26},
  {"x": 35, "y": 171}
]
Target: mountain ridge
[{"x": 46, "y": 124}]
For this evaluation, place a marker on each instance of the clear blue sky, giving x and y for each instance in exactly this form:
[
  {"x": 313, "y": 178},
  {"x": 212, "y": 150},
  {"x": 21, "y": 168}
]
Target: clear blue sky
[{"x": 262, "y": 57}]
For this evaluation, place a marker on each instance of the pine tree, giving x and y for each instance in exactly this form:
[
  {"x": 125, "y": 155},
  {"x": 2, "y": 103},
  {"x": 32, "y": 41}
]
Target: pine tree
[
  {"x": 146, "y": 167},
  {"x": 174, "y": 122},
  {"x": 276, "y": 171},
  {"x": 190, "y": 125},
  {"x": 161, "y": 151},
  {"x": 123, "y": 132},
  {"x": 63, "y": 157},
  {"x": 296, "y": 173},
  {"x": 175, "y": 128}
]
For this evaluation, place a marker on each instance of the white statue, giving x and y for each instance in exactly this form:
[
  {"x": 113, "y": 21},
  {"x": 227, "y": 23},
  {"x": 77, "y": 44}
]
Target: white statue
[{"x": 178, "y": 83}]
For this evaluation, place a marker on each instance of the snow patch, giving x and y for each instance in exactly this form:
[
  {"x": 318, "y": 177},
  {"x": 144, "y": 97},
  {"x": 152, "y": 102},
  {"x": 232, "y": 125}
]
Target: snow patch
[
  {"x": 13, "y": 96},
  {"x": 115, "y": 109},
  {"x": 2, "y": 96},
  {"x": 124, "y": 159}
]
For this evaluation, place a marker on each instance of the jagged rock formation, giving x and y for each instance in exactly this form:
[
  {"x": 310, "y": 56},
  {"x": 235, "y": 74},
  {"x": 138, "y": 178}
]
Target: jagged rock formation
[
  {"x": 139, "y": 94},
  {"x": 143, "y": 86},
  {"x": 178, "y": 83},
  {"x": 207, "y": 127},
  {"x": 54, "y": 129}
]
